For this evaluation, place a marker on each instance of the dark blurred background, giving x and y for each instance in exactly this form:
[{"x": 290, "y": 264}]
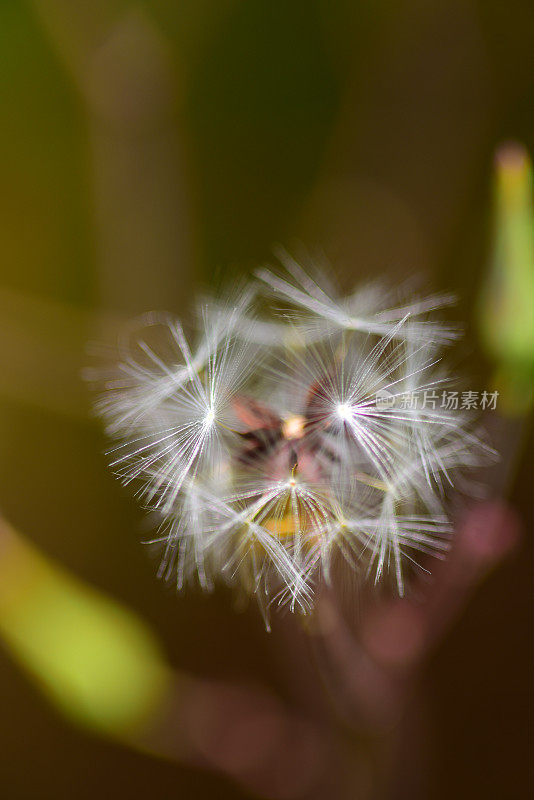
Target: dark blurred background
[{"x": 149, "y": 149}]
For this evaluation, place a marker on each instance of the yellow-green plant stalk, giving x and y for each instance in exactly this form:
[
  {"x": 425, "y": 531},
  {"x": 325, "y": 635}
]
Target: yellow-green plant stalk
[{"x": 507, "y": 307}]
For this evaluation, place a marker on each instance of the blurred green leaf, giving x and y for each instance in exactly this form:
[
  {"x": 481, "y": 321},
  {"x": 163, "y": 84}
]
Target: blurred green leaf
[
  {"x": 507, "y": 316},
  {"x": 95, "y": 659}
]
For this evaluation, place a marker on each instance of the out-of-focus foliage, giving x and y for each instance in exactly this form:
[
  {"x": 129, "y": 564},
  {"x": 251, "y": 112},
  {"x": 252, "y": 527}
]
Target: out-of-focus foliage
[
  {"x": 95, "y": 659},
  {"x": 507, "y": 314}
]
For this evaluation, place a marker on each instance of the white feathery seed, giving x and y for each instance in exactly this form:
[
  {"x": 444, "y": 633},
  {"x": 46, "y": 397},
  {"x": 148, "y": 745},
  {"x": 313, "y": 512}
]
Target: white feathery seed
[{"x": 276, "y": 444}]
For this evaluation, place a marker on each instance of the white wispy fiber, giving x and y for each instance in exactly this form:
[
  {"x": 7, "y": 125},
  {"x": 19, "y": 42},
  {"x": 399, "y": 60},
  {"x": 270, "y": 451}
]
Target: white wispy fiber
[{"x": 260, "y": 442}]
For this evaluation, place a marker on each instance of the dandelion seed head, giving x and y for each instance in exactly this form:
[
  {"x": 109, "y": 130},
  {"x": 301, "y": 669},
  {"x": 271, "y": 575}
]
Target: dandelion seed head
[{"x": 259, "y": 442}]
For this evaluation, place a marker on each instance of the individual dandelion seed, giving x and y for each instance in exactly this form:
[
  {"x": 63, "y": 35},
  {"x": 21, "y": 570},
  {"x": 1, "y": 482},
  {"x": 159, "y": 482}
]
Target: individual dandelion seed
[
  {"x": 263, "y": 446},
  {"x": 369, "y": 310},
  {"x": 183, "y": 430},
  {"x": 154, "y": 361}
]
